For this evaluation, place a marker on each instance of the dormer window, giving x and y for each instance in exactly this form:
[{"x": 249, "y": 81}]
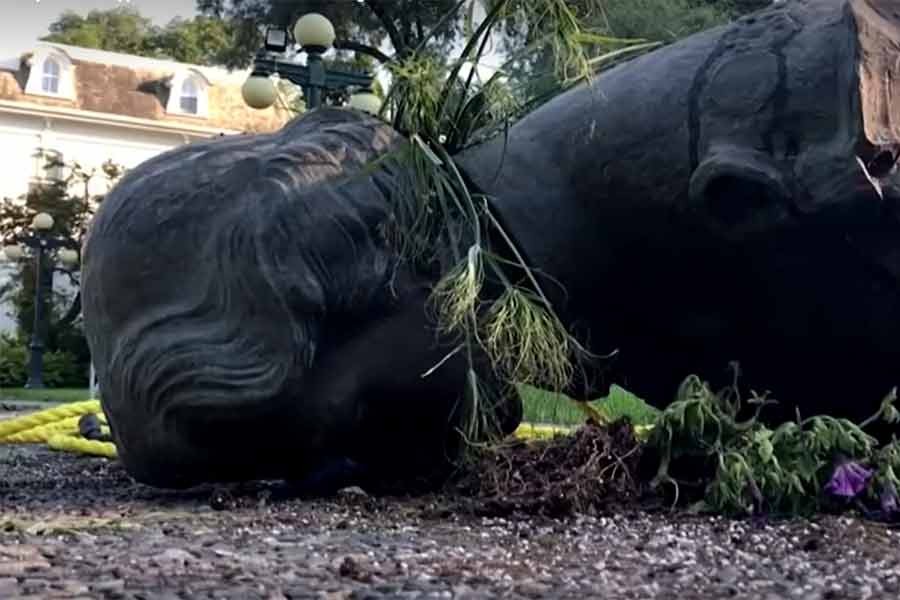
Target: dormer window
[
  {"x": 51, "y": 73},
  {"x": 189, "y": 100},
  {"x": 188, "y": 93},
  {"x": 50, "y": 79}
]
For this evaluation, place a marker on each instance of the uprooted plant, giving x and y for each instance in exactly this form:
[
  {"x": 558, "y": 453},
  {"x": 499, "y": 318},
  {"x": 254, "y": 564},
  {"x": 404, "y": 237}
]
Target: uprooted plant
[
  {"x": 705, "y": 454},
  {"x": 744, "y": 467},
  {"x": 439, "y": 224},
  {"x": 585, "y": 472}
]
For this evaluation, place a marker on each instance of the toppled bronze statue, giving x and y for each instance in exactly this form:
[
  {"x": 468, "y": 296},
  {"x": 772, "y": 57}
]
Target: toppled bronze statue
[{"x": 730, "y": 197}]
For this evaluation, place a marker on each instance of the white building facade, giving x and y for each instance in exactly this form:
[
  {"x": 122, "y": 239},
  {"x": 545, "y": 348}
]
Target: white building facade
[{"x": 91, "y": 106}]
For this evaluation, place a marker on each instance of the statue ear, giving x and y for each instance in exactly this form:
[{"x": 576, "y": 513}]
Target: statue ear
[{"x": 737, "y": 192}]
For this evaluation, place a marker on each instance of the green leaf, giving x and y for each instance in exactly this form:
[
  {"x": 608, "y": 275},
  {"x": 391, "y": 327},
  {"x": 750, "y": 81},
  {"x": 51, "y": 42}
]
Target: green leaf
[
  {"x": 765, "y": 449},
  {"x": 889, "y": 411}
]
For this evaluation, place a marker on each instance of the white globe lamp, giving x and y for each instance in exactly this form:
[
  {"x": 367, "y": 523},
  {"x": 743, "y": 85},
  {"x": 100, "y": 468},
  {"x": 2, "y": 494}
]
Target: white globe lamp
[
  {"x": 259, "y": 92},
  {"x": 42, "y": 222},
  {"x": 13, "y": 252},
  {"x": 314, "y": 30},
  {"x": 68, "y": 257}
]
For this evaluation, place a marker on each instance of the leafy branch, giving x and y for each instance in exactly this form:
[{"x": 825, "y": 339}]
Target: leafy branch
[
  {"x": 801, "y": 466},
  {"x": 439, "y": 225}
]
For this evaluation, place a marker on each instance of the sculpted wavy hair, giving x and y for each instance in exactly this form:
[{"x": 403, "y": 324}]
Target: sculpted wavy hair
[{"x": 216, "y": 298}]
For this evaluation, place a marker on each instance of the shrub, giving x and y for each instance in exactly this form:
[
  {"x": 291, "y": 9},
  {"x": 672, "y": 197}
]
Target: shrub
[
  {"x": 61, "y": 368},
  {"x": 71, "y": 342},
  {"x": 13, "y": 362}
]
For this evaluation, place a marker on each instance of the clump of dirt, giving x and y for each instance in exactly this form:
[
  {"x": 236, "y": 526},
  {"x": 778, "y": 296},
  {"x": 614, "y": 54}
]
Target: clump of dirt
[{"x": 588, "y": 471}]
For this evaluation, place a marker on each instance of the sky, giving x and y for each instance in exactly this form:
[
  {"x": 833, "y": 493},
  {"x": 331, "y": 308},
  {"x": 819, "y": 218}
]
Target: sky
[{"x": 24, "y": 21}]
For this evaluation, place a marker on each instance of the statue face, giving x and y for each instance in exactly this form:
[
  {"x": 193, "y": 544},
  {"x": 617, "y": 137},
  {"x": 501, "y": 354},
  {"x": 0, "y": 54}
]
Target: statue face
[
  {"x": 793, "y": 125},
  {"x": 736, "y": 190},
  {"x": 795, "y": 180}
]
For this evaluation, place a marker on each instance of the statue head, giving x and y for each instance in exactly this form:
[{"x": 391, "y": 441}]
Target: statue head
[
  {"x": 794, "y": 178},
  {"x": 208, "y": 274},
  {"x": 729, "y": 197}
]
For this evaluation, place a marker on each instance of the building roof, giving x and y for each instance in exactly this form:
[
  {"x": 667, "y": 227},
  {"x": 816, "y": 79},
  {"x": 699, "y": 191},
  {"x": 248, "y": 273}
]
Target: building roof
[{"x": 138, "y": 87}]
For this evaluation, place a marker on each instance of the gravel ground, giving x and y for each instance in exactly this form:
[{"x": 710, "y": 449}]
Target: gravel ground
[{"x": 78, "y": 527}]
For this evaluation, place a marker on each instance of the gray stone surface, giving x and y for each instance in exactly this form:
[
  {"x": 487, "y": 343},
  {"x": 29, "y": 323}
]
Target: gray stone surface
[{"x": 77, "y": 527}]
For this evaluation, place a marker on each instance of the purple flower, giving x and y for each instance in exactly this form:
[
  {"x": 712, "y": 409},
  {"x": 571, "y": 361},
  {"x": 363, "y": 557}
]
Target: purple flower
[
  {"x": 848, "y": 480},
  {"x": 889, "y": 500}
]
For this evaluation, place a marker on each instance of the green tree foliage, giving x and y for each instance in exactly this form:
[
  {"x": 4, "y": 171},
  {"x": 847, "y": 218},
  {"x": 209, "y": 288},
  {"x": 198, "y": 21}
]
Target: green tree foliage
[
  {"x": 201, "y": 40},
  {"x": 436, "y": 25},
  {"x": 662, "y": 21},
  {"x": 70, "y": 202},
  {"x": 404, "y": 24},
  {"x": 118, "y": 30}
]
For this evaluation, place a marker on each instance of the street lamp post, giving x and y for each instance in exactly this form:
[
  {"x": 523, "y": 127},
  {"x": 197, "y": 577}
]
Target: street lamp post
[
  {"x": 315, "y": 35},
  {"x": 42, "y": 243}
]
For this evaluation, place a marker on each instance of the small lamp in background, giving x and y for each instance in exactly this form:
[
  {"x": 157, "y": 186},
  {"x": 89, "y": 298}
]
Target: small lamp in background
[
  {"x": 42, "y": 222},
  {"x": 314, "y": 31},
  {"x": 13, "y": 252},
  {"x": 68, "y": 257},
  {"x": 366, "y": 101},
  {"x": 259, "y": 91}
]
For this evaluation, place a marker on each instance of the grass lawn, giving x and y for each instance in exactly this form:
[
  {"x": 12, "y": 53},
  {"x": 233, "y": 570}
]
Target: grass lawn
[
  {"x": 45, "y": 395},
  {"x": 540, "y": 406}
]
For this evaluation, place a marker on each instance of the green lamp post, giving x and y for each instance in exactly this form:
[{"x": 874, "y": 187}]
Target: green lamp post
[{"x": 315, "y": 35}]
